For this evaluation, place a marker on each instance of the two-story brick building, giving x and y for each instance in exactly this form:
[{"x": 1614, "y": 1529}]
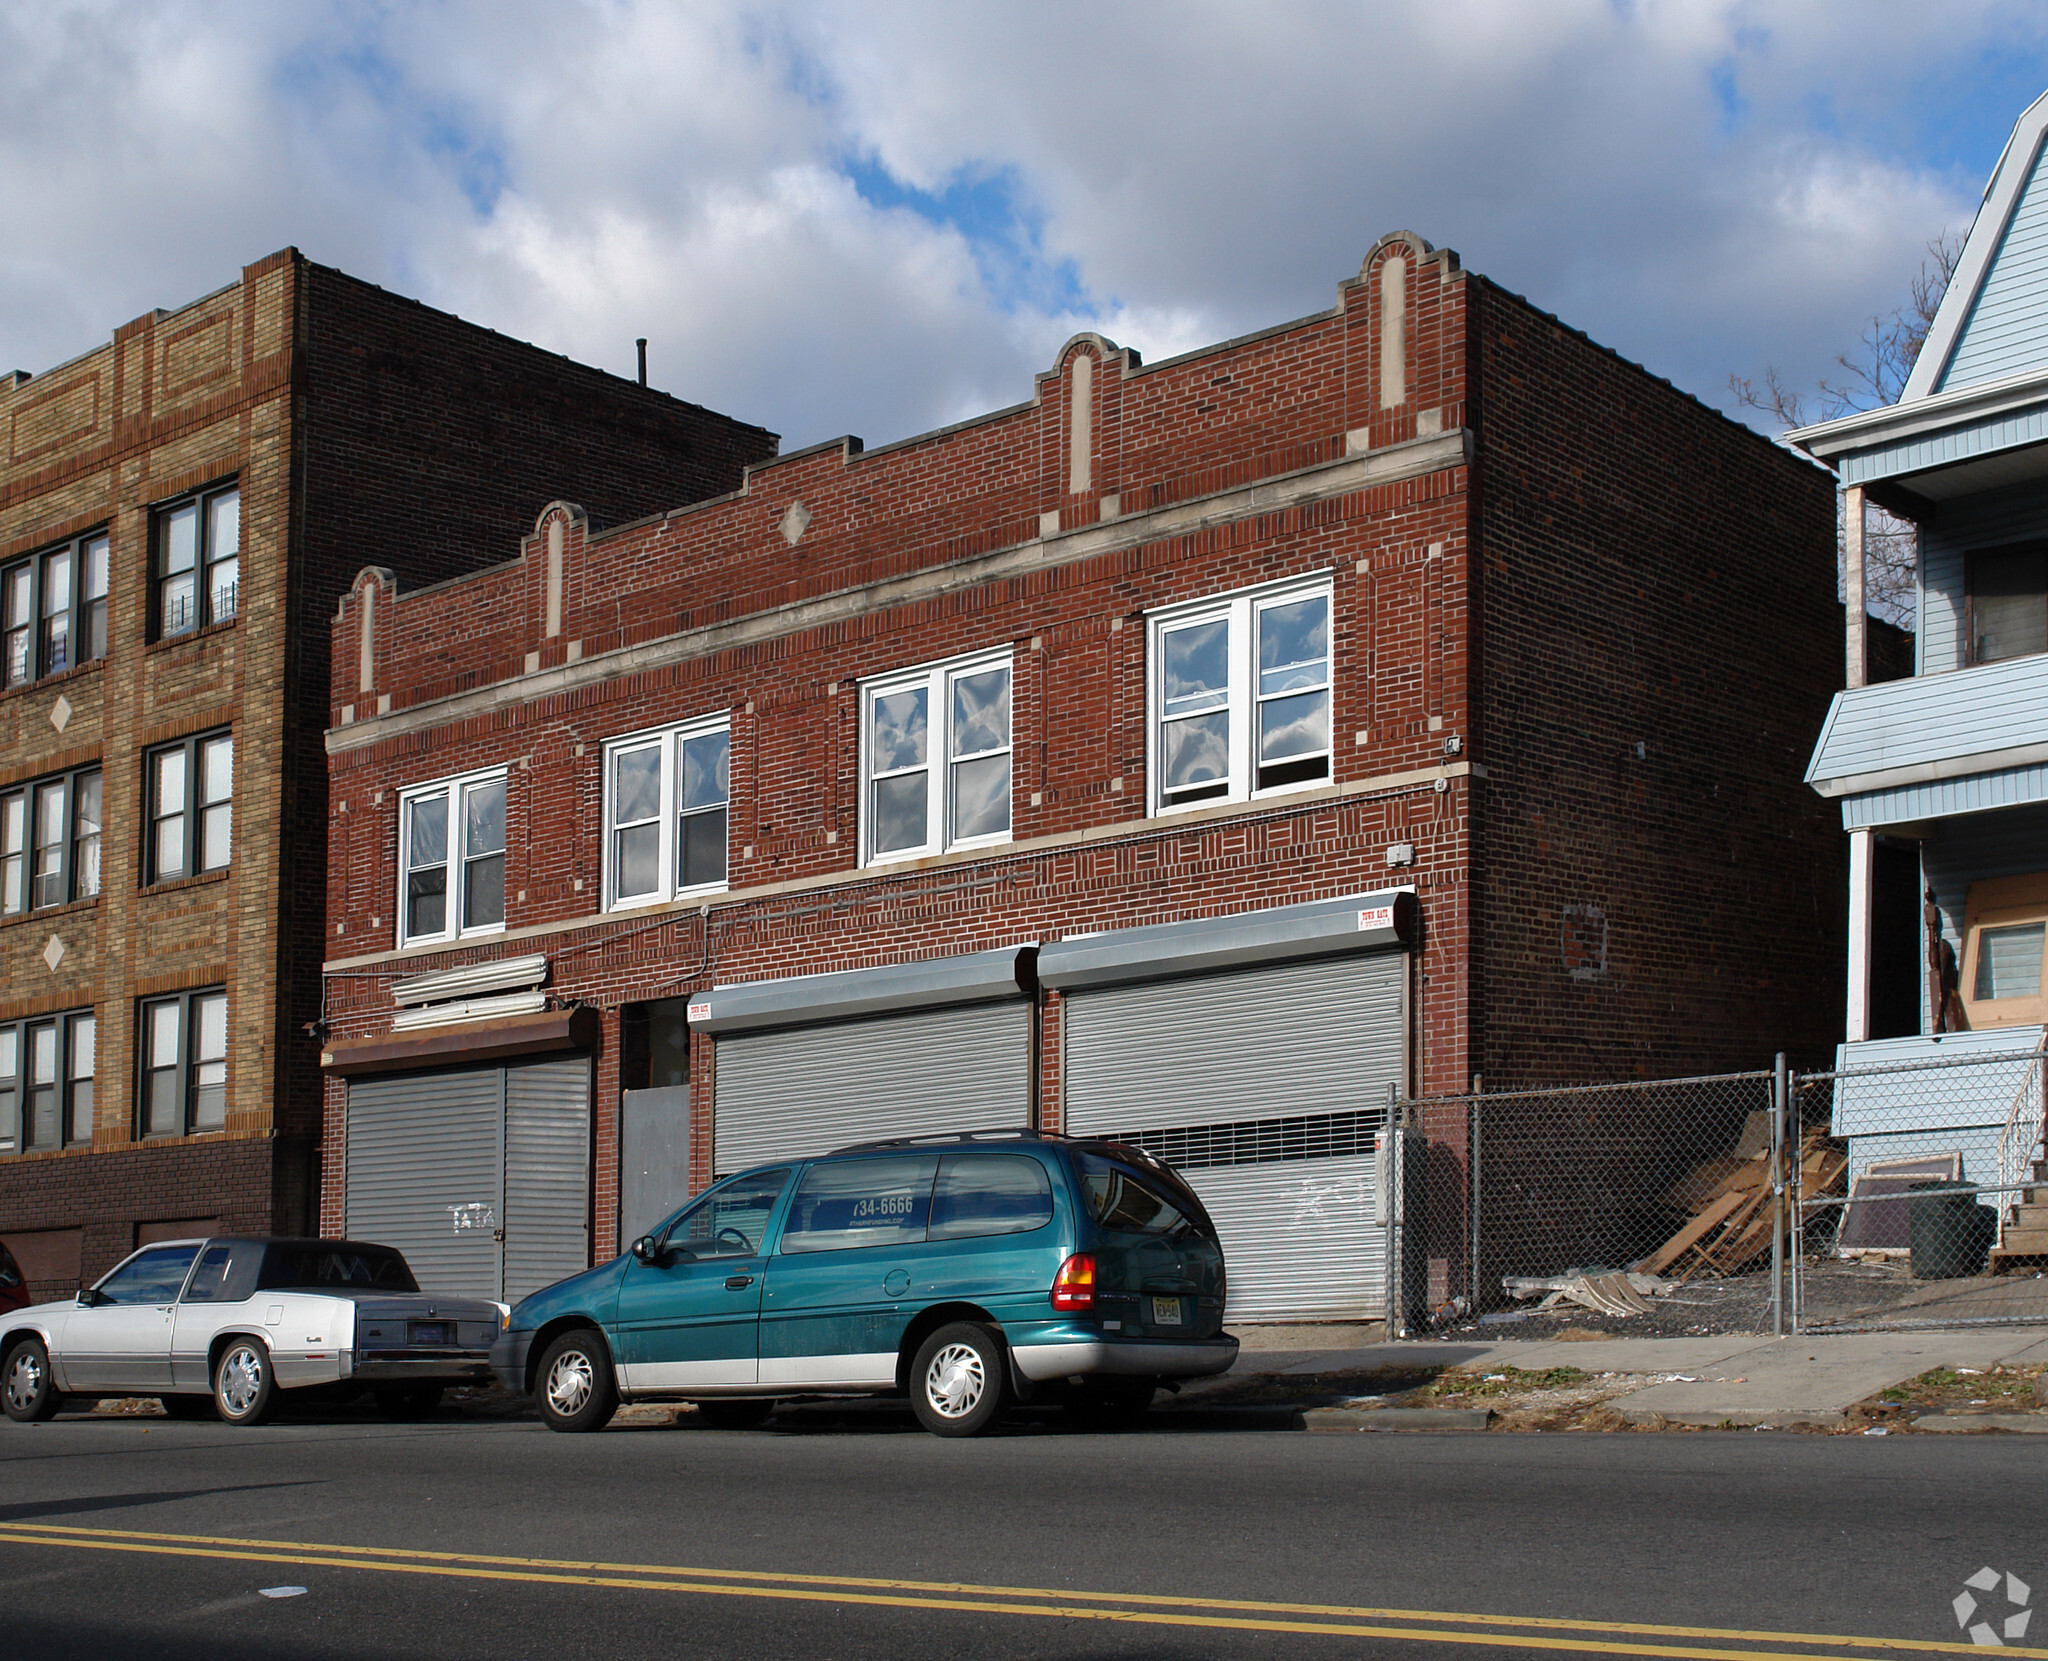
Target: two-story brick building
[
  {"x": 1201, "y": 752},
  {"x": 180, "y": 510}
]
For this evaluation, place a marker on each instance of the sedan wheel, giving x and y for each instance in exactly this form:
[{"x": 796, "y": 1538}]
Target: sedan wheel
[
  {"x": 575, "y": 1389},
  {"x": 27, "y": 1391},
  {"x": 958, "y": 1382},
  {"x": 244, "y": 1391}
]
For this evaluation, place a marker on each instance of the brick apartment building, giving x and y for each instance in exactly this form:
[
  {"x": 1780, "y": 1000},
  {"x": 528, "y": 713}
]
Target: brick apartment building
[
  {"x": 180, "y": 510},
  {"x": 1200, "y": 752}
]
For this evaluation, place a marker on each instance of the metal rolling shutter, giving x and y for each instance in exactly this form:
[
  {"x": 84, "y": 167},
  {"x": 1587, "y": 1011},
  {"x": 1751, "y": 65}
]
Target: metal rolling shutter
[
  {"x": 547, "y": 1173},
  {"x": 424, "y": 1173},
  {"x": 799, "y": 1092},
  {"x": 1298, "y": 1238},
  {"x": 1315, "y": 1043}
]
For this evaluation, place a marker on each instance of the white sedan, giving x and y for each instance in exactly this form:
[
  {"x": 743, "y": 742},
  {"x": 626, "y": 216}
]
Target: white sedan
[{"x": 224, "y": 1326}]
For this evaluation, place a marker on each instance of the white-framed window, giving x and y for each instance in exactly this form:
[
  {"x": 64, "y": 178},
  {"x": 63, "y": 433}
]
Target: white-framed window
[
  {"x": 935, "y": 759},
  {"x": 451, "y": 858},
  {"x": 667, "y": 796},
  {"x": 1240, "y": 696}
]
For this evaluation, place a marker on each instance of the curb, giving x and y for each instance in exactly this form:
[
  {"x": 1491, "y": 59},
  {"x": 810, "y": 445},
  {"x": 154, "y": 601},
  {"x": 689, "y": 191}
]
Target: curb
[
  {"x": 1398, "y": 1418},
  {"x": 2025, "y": 1423},
  {"x": 1828, "y": 1418}
]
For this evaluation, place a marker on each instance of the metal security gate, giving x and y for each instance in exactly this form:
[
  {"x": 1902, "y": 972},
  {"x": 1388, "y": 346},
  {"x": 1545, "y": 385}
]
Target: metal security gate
[
  {"x": 481, "y": 1176},
  {"x": 798, "y": 1092},
  {"x": 1266, "y": 1086}
]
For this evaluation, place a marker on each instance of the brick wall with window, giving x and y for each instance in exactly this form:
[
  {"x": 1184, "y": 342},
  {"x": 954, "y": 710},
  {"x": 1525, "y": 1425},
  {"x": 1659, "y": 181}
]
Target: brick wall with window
[
  {"x": 971, "y": 691},
  {"x": 179, "y": 511}
]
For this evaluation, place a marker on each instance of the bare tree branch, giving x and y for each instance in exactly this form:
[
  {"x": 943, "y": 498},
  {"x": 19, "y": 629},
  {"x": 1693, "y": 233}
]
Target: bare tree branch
[{"x": 1874, "y": 374}]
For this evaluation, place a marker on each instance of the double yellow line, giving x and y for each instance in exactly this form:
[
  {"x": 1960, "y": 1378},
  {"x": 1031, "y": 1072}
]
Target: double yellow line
[{"x": 1693, "y": 1643}]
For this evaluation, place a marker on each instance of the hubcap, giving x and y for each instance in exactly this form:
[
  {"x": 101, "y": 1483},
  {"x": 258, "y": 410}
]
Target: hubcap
[
  {"x": 570, "y": 1383},
  {"x": 241, "y": 1379},
  {"x": 954, "y": 1383},
  {"x": 24, "y": 1381}
]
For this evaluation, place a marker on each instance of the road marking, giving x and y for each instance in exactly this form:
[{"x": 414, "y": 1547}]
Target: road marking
[{"x": 1339, "y": 1620}]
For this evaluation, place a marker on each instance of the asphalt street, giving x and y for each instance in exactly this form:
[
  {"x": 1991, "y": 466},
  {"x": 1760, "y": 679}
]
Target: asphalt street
[{"x": 865, "y": 1537}]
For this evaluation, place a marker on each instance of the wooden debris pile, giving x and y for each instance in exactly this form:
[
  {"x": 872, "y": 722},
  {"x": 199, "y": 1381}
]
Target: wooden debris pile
[{"x": 1729, "y": 1198}]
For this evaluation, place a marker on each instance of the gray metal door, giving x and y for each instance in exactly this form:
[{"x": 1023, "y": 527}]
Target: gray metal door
[
  {"x": 547, "y": 1173},
  {"x": 425, "y": 1174},
  {"x": 654, "y": 1156},
  {"x": 1246, "y": 1072},
  {"x": 481, "y": 1176},
  {"x": 803, "y": 1091}
]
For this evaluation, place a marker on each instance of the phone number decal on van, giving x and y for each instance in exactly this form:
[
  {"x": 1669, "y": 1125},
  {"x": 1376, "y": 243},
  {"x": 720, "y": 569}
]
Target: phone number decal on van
[{"x": 898, "y": 1205}]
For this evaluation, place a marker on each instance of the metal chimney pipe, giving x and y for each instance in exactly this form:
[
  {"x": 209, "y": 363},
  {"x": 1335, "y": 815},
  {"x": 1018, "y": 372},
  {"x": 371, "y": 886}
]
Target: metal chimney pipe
[{"x": 642, "y": 344}]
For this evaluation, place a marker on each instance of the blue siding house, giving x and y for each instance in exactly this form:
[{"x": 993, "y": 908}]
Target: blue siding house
[{"x": 1944, "y": 775}]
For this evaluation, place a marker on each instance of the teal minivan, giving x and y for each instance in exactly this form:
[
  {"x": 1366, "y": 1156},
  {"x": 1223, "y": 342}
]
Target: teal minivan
[{"x": 968, "y": 1272}]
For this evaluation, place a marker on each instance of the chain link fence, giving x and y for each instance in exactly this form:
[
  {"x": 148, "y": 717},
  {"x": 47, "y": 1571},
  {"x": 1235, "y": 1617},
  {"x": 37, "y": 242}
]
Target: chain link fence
[{"x": 1872, "y": 1198}]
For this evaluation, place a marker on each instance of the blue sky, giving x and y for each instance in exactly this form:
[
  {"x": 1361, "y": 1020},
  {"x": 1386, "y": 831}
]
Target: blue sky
[{"x": 878, "y": 218}]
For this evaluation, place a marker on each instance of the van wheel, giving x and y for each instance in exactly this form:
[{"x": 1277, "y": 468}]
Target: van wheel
[
  {"x": 734, "y": 1415},
  {"x": 26, "y": 1389},
  {"x": 574, "y": 1388},
  {"x": 960, "y": 1380},
  {"x": 1105, "y": 1402},
  {"x": 244, "y": 1389}
]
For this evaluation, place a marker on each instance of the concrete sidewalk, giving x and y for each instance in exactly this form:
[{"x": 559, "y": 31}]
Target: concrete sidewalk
[{"x": 1743, "y": 1380}]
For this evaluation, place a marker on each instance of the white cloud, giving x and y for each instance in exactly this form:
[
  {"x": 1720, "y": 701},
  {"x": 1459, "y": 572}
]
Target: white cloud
[{"x": 1706, "y": 185}]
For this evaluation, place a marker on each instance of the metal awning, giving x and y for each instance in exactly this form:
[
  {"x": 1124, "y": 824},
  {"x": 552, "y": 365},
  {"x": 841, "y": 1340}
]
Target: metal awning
[{"x": 799, "y": 1000}]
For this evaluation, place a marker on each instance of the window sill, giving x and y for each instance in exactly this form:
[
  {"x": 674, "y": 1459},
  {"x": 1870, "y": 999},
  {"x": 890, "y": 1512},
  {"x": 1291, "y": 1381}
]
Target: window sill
[
  {"x": 190, "y": 637},
  {"x": 176, "y": 885},
  {"x": 45, "y": 913},
  {"x": 652, "y": 902},
  {"x": 50, "y": 682},
  {"x": 1242, "y": 804},
  {"x": 451, "y": 942}
]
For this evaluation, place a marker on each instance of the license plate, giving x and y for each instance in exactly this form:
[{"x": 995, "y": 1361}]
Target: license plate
[
  {"x": 434, "y": 1333},
  {"x": 1166, "y": 1312}
]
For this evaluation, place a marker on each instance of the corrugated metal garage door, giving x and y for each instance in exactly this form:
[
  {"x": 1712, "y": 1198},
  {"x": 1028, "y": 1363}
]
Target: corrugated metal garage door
[
  {"x": 547, "y": 1173},
  {"x": 1265, "y": 1086},
  {"x": 427, "y": 1172},
  {"x": 799, "y": 1092}
]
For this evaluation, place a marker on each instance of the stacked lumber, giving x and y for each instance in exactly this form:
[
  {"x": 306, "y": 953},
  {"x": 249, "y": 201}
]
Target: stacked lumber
[{"x": 1730, "y": 1201}]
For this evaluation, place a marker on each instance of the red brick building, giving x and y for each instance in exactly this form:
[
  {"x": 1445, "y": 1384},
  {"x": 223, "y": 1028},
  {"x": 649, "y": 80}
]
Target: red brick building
[
  {"x": 180, "y": 510},
  {"x": 1201, "y": 751}
]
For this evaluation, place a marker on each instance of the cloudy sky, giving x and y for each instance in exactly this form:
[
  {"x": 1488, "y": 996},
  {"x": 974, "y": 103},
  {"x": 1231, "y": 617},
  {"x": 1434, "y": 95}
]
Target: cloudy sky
[{"x": 876, "y": 218}]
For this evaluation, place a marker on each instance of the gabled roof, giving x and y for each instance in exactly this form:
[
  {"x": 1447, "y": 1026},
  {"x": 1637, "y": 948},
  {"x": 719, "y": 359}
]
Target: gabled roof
[{"x": 1993, "y": 321}]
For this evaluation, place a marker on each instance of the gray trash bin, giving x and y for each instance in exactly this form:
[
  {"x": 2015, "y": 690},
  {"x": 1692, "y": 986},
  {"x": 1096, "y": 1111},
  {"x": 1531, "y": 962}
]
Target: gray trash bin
[{"x": 1950, "y": 1235}]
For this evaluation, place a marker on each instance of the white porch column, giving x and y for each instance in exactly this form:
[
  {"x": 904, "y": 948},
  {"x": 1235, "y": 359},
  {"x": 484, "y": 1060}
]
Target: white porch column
[
  {"x": 1862, "y": 853},
  {"x": 1855, "y": 589}
]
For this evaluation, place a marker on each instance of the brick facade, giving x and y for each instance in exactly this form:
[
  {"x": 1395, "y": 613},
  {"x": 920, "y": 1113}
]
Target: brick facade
[
  {"x": 1538, "y": 557},
  {"x": 350, "y": 419}
]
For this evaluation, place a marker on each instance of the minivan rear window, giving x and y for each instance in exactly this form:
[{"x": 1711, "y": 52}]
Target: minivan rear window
[
  {"x": 989, "y": 1193},
  {"x": 1119, "y": 1198},
  {"x": 884, "y": 1201}
]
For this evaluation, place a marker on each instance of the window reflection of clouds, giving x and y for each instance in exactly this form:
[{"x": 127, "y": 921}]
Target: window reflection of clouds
[
  {"x": 900, "y": 731},
  {"x": 1294, "y": 726},
  {"x": 637, "y": 791},
  {"x": 707, "y": 763},
  {"x": 981, "y": 797},
  {"x": 981, "y": 712},
  {"x": 1198, "y": 665},
  {"x": 1197, "y": 750},
  {"x": 1294, "y": 645},
  {"x": 899, "y": 813}
]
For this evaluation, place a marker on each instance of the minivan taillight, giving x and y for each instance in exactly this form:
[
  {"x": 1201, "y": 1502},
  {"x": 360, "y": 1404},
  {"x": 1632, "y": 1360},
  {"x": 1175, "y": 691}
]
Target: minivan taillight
[{"x": 1073, "y": 1288}]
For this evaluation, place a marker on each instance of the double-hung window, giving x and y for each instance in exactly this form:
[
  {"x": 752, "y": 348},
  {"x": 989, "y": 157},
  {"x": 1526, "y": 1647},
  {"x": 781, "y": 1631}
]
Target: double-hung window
[
  {"x": 935, "y": 759},
  {"x": 2008, "y": 603},
  {"x": 53, "y": 611},
  {"x": 191, "y": 806},
  {"x": 451, "y": 858},
  {"x": 50, "y": 842},
  {"x": 184, "y": 1071},
  {"x": 46, "y": 1077},
  {"x": 1240, "y": 696},
  {"x": 667, "y": 795},
  {"x": 197, "y": 562}
]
